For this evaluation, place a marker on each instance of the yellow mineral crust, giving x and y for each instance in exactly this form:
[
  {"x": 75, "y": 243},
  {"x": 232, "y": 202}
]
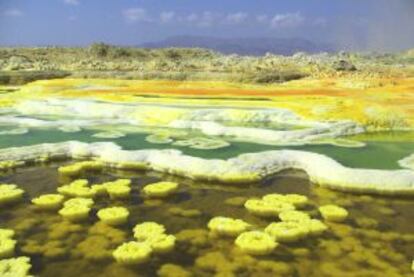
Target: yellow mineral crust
[
  {"x": 316, "y": 99},
  {"x": 256, "y": 243},
  {"x": 227, "y": 226}
]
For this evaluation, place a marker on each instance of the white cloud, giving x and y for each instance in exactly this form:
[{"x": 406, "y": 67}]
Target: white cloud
[
  {"x": 166, "y": 17},
  {"x": 72, "y": 2},
  {"x": 288, "y": 20},
  {"x": 263, "y": 18},
  {"x": 13, "y": 13},
  {"x": 136, "y": 15},
  {"x": 205, "y": 19},
  {"x": 236, "y": 18},
  {"x": 320, "y": 22}
]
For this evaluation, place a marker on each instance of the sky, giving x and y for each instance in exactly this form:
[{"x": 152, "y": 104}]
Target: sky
[{"x": 383, "y": 25}]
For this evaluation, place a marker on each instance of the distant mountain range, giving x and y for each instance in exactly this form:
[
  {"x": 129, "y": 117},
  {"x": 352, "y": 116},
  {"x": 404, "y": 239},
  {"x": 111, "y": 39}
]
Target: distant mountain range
[{"x": 244, "y": 46}]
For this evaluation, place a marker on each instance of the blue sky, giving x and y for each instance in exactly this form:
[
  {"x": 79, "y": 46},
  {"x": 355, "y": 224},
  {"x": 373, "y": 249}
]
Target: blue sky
[{"x": 352, "y": 24}]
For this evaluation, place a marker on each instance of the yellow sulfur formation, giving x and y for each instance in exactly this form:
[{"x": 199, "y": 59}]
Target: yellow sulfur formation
[
  {"x": 10, "y": 194},
  {"x": 76, "y": 209},
  {"x": 74, "y": 213},
  {"x": 6, "y": 165},
  {"x": 160, "y": 189},
  {"x": 117, "y": 191},
  {"x": 6, "y": 234},
  {"x": 132, "y": 253},
  {"x": 48, "y": 201},
  {"x": 83, "y": 202},
  {"x": 144, "y": 230},
  {"x": 79, "y": 167},
  {"x": 333, "y": 213},
  {"x": 287, "y": 231},
  {"x": 295, "y": 199},
  {"x": 227, "y": 226},
  {"x": 264, "y": 208},
  {"x": 78, "y": 188},
  {"x": 296, "y": 216},
  {"x": 113, "y": 216},
  {"x": 315, "y": 226},
  {"x": 256, "y": 243},
  {"x": 161, "y": 243},
  {"x": 15, "y": 267},
  {"x": 7, "y": 246},
  {"x": 154, "y": 235}
]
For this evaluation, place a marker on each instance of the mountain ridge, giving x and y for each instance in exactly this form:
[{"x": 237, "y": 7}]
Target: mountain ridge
[{"x": 244, "y": 46}]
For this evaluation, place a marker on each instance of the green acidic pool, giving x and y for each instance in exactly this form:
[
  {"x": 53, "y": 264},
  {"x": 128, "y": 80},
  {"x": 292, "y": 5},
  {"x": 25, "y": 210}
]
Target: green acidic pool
[{"x": 379, "y": 153}]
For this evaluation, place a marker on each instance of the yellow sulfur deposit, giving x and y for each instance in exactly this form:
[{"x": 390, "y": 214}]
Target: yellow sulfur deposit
[
  {"x": 7, "y": 244},
  {"x": 76, "y": 209},
  {"x": 295, "y": 199},
  {"x": 84, "y": 202},
  {"x": 74, "y": 213},
  {"x": 79, "y": 167},
  {"x": 144, "y": 230},
  {"x": 6, "y": 165},
  {"x": 264, "y": 208},
  {"x": 154, "y": 235},
  {"x": 6, "y": 234},
  {"x": 227, "y": 226},
  {"x": 15, "y": 267},
  {"x": 10, "y": 193},
  {"x": 296, "y": 216},
  {"x": 132, "y": 253},
  {"x": 333, "y": 213},
  {"x": 287, "y": 231},
  {"x": 256, "y": 243},
  {"x": 114, "y": 215},
  {"x": 48, "y": 201},
  {"x": 116, "y": 191},
  {"x": 161, "y": 243},
  {"x": 78, "y": 188},
  {"x": 160, "y": 189},
  {"x": 315, "y": 226}
]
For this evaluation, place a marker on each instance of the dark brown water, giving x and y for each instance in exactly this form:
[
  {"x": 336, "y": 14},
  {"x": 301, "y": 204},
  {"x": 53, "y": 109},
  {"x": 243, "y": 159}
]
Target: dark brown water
[{"x": 376, "y": 240}]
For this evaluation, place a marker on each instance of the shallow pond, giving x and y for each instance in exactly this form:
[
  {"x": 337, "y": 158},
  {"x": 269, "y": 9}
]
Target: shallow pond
[
  {"x": 379, "y": 153},
  {"x": 376, "y": 240}
]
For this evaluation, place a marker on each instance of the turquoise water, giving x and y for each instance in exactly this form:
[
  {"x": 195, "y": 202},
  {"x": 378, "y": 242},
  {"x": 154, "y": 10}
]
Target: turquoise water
[{"x": 376, "y": 154}]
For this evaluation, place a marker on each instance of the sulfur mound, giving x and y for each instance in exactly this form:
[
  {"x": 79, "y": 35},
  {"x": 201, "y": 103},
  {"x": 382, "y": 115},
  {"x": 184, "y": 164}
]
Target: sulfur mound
[
  {"x": 256, "y": 243},
  {"x": 154, "y": 235},
  {"x": 48, "y": 201},
  {"x": 160, "y": 189},
  {"x": 333, "y": 213},
  {"x": 144, "y": 230},
  {"x": 7, "y": 244},
  {"x": 296, "y": 200},
  {"x": 10, "y": 194},
  {"x": 79, "y": 167},
  {"x": 78, "y": 188},
  {"x": 132, "y": 253},
  {"x": 15, "y": 267},
  {"x": 83, "y": 202},
  {"x": 161, "y": 243},
  {"x": 75, "y": 213},
  {"x": 113, "y": 216},
  {"x": 296, "y": 216},
  {"x": 227, "y": 226},
  {"x": 76, "y": 209},
  {"x": 287, "y": 231},
  {"x": 264, "y": 208}
]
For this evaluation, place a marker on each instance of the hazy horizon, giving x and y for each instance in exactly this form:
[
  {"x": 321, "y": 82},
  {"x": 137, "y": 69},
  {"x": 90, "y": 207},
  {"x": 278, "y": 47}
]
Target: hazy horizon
[{"x": 377, "y": 25}]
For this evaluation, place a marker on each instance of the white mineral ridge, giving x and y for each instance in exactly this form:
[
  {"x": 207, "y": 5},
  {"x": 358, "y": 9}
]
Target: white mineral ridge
[
  {"x": 321, "y": 169},
  {"x": 206, "y": 120}
]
